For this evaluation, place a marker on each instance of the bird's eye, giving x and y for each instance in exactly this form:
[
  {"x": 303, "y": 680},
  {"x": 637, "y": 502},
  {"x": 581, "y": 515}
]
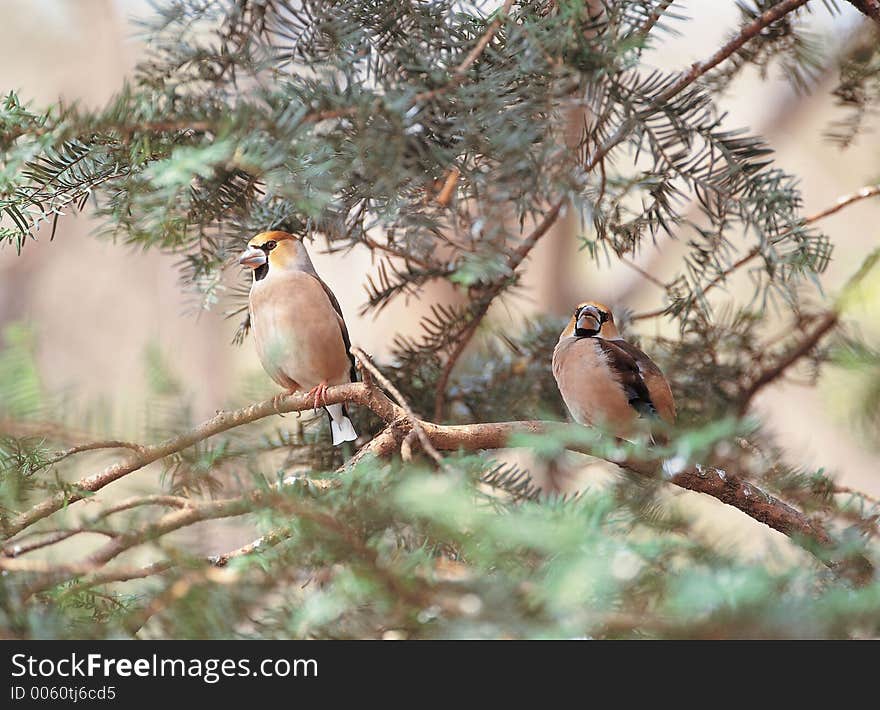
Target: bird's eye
[{"x": 270, "y": 245}]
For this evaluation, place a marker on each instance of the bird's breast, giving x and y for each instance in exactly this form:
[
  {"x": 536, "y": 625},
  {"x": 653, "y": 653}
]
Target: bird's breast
[
  {"x": 297, "y": 331},
  {"x": 588, "y": 386}
]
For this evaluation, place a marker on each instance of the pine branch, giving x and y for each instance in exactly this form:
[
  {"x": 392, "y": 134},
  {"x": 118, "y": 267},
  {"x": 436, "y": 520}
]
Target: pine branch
[
  {"x": 270, "y": 539},
  {"x": 486, "y": 298},
  {"x": 93, "y": 566},
  {"x": 366, "y": 363},
  {"x": 697, "y": 70},
  {"x": 218, "y": 424},
  {"x": 483, "y": 42},
  {"x": 842, "y": 202},
  {"x": 805, "y": 346},
  {"x": 825, "y": 325},
  {"x": 645, "y": 29},
  {"x": 52, "y": 537},
  {"x": 748, "y": 498}
]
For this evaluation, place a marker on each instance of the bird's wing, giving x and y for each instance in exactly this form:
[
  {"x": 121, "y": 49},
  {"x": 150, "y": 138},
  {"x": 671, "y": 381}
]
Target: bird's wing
[
  {"x": 626, "y": 370},
  {"x": 345, "y": 337},
  {"x": 658, "y": 387}
]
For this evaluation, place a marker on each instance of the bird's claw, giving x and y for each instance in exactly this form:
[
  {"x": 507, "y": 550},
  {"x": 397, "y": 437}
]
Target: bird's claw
[{"x": 318, "y": 394}]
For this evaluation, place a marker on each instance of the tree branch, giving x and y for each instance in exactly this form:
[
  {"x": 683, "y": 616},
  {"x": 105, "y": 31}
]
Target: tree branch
[
  {"x": 869, "y": 8},
  {"x": 826, "y": 324},
  {"x": 652, "y": 19},
  {"x": 414, "y": 421},
  {"x": 483, "y": 42},
  {"x": 697, "y": 70},
  {"x": 487, "y": 297},
  {"x": 845, "y": 201},
  {"x": 727, "y": 488},
  {"x": 796, "y": 353},
  {"x": 354, "y": 393}
]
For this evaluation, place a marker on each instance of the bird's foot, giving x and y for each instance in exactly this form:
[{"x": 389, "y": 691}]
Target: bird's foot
[{"x": 318, "y": 394}]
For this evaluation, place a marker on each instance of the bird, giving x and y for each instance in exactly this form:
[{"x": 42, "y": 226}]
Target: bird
[
  {"x": 604, "y": 380},
  {"x": 299, "y": 331}
]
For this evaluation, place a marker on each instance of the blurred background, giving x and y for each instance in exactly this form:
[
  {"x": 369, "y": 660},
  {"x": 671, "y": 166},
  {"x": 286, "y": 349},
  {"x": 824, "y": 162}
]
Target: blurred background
[{"x": 101, "y": 313}]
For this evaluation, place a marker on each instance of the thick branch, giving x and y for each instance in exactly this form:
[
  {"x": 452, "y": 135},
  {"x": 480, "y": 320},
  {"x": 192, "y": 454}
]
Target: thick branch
[
  {"x": 356, "y": 393},
  {"x": 469, "y": 437},
  {"x": 869, "y": 8},
  {"x": 726, "y": 487}
]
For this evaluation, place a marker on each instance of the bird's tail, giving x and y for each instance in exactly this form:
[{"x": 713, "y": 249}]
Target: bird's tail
[{"x": 340, "y": 425}]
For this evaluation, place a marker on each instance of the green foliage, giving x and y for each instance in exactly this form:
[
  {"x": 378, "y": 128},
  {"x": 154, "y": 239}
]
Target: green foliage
[
  {"x": 19, "y": 380},
  {"x": 796, "y": 52},
  {"x": 345, "y": 121},
  {"x": 860, "y": 361},
  {"x": 858, "y": 91},
  {"x": 429, "y": 556}
]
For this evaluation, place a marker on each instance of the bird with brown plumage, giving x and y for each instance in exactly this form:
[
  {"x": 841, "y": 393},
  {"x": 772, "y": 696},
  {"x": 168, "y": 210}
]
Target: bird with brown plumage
[
  {"x": 604, "y": 380},
  {"x": 299, "y": 331}
]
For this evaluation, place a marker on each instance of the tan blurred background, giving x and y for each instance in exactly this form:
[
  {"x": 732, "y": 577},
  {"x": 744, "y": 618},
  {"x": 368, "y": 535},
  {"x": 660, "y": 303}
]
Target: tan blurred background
[{"x": 96, "y": 307}]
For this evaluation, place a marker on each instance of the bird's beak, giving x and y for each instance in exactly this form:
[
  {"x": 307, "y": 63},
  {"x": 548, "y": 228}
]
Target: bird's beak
[
  {"x": 252, "y": 258},
  {"x": 587, "y": 322}
]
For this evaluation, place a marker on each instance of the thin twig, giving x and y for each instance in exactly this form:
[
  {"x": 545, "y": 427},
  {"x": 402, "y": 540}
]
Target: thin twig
[
  {"x": 119, "y": 574},
  {"x": 17, "y": 548},
  {"x": 846, "y": 490},
  {"x": 483, "y": 42},
  {"x": 400, "y": 253},
  {"x": 270, "y": 539},
  {"x": 645, "y": 29},
  {"x": 516, "y": 258},
  {"x": 826, "y": 323},
  {"x": 93, "y": 446},
  {"x": 644, "y": 274},
  {"x": 845, "y": 201},
  {"x": 35, "y": 428},
  {"x": 367, "y": 363},
  {"x": 140, "y": 501}
]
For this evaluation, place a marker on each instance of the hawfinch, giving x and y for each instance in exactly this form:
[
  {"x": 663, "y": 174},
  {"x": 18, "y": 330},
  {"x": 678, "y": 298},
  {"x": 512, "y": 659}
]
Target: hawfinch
[
  {"x": 603, "y": 379},
  {"x": 298, "y": 328}
]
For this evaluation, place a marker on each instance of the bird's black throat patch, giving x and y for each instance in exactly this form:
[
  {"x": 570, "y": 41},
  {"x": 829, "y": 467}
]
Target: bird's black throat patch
[{"x": 261, "y": 271}]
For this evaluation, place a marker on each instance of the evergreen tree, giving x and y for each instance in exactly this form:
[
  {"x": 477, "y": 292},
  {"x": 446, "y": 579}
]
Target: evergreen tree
[{"x": 438, "y": 135}]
